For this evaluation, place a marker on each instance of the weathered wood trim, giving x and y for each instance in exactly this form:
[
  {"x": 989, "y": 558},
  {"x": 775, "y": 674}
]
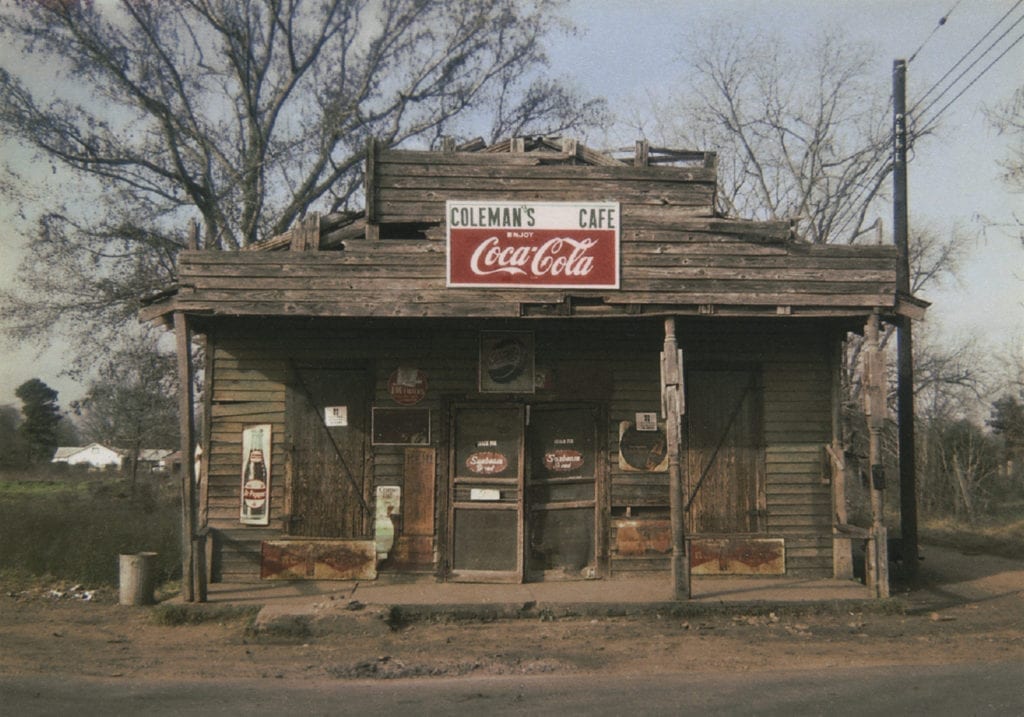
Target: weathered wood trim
[
  {"x": 875, "y": 407},
  {"x": 203, "y": 518},
  {"x": 373, "y": 152},
  {"x": 193, "y": 584},
  {"x": 642, "y": 153},
  {"x": 305, "y": 235},
  {"x": 672, "y": 402}
]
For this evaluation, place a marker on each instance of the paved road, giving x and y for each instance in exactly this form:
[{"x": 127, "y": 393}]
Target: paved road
[{"x": 962, "y": 689}]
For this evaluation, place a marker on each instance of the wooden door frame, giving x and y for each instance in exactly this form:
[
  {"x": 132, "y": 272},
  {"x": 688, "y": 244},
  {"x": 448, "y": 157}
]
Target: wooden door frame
[
  {"x": 292, "y": 389},
  {"x": 760, "y": 524},
  {"x": 599, "y": 411},
  {"x": 494, "y": 576}
]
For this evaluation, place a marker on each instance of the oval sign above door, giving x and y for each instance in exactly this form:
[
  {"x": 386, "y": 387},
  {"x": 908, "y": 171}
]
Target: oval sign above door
[
  {"x": 486, "y": 462},
  {"x": 563, "y": 460}
]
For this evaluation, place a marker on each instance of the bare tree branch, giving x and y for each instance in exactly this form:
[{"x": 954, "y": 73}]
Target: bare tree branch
[
  {"x": 243, "y": 114},
  {"x": 802, "y": 132}
]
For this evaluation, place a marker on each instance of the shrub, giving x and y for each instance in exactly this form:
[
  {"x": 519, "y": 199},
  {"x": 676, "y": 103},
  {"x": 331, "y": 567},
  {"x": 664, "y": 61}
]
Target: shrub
[{"x": 75, "y": 531}]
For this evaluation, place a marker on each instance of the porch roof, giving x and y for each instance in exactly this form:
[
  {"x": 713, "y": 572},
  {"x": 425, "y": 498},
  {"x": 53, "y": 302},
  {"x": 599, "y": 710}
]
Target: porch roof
[{"x": 677, "y": 257}]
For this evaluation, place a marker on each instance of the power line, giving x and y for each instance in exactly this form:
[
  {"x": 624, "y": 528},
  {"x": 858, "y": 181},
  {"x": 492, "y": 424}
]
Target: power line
[
  {"x": 935, "y": 117},
  {"x": 878, "y": 168},
  {"x": 941, "y": 22},
  {"x": 865, "y": 191},
  {"x": 963, "y": 57}
]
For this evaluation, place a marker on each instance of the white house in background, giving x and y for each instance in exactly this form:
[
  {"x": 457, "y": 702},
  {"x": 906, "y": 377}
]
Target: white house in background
[
  {"x": 93, "y": 455},
  {"x": 155, "y": 459}
]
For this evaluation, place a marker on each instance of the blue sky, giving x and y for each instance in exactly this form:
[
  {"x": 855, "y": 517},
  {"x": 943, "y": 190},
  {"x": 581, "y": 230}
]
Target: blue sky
[{"x": 626, "y": 50}]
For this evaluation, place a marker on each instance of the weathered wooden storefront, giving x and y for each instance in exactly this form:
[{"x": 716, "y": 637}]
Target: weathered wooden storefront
[{"x": 468, "y": 381}]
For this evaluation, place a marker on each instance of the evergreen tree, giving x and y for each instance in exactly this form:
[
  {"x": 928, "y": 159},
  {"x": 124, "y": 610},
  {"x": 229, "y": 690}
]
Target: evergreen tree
[
  {"x": 42, "y": 417},
  {"x": 11, "y": 453},
  {"x": 1007, "y": 421}
]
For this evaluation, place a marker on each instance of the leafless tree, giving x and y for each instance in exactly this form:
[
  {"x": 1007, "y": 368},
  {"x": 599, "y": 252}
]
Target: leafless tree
[
  {"x": 935, "y": 259},
  {"x": 1008, "y": 119},
  {"x": 132, "y": 403},
  {"x": 802, "y": 131},
  {"x": 241, "y": 114}
]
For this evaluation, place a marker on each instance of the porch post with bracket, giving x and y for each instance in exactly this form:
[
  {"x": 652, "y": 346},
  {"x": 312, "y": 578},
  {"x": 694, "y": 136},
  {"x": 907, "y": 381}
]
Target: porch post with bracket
[
  {"x": 183, "y": 339},
  {"x": 877, "y": 571},
  {"x": 672, "y": 410}
]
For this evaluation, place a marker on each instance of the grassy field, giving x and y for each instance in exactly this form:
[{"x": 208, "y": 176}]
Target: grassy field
[
  {"x": 998, "y": 534},
  {"x": 71, "y": 529}
]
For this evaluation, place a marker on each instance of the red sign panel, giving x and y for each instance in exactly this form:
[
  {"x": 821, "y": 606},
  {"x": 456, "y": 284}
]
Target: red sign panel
[
  {"x": 407, "y": 386},
  {"x": 486, "y": 462},
  {"x": 563, "y": 460},
  {"x": 547, "y": 244}
]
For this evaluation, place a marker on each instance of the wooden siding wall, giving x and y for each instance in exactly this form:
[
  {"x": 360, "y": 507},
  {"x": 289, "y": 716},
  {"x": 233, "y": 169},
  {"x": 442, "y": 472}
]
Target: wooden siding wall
[
  {"x": 696, "y": 271},
  {"x": 406, "y": 186},
  {"x": 796, "y": 375},
  {"x": 614, "y": 363},
  {"x": 248, "y": 387}
]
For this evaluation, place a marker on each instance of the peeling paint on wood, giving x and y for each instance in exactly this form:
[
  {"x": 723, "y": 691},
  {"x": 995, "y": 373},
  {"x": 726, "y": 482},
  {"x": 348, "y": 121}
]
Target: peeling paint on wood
[
  {"x": 642, "y": 537},
  {"x": 738, "y": 556},
  {"x": 413, "y": 553},
  {"x": 318, "y": 560}
]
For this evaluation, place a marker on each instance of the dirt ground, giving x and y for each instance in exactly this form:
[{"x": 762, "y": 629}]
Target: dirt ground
[{"x": 966, "y": 608}]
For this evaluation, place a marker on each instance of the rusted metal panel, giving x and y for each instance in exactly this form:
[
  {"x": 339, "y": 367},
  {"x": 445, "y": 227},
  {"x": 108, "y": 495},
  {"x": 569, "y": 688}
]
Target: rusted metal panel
[
  {"x": 318, "y": 560},
  {"x": 738, "y": 556},
  {"x": 631, "y": 538},
  {"x": 418, "y": 474},
  {"x": 412, "y": 553}
]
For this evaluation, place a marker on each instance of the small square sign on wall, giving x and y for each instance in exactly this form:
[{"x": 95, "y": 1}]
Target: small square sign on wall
[
  {"x": 335, "y": 416},
  {"x": 646, "y": 421}
]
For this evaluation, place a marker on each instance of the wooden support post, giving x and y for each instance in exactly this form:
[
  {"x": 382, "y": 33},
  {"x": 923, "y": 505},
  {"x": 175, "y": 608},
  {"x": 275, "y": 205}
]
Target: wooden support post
[
  {"x": 199, "y": 566},
  {"x": 641, "y": 157},
  {"x": 183, "y": 340},
  {"x": 842, "y": 546},
  {"x": 305, "y": 235},
  {"x": 570, "y": 147},
  {"x": 372, "y": 208},
  {"x": 202, "y": 465},
  {"x": 875, "y": 407},
  {"x": 672, "y": 409}
]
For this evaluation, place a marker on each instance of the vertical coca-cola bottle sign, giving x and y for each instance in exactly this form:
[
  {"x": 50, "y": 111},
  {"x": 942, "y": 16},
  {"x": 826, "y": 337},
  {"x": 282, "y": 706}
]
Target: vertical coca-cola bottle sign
[{"x": 255, "y": 489}]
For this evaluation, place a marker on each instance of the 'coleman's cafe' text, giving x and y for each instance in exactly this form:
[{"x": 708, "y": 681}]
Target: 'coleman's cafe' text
[{"x": 525, "y": 362}]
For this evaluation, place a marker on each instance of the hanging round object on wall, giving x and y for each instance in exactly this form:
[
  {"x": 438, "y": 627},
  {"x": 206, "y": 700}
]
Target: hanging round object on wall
[
  {"x": 507, "y": 359},
  {"x": 407, "y": 386}
]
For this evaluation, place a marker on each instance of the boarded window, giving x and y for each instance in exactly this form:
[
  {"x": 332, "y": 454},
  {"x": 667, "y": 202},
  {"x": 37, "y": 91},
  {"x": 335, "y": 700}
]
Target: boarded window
[{"x": 726, "y": 473}]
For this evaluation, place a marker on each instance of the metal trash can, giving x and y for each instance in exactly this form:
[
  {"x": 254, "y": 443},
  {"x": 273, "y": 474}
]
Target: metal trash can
[{"x": 136, "y": 579}]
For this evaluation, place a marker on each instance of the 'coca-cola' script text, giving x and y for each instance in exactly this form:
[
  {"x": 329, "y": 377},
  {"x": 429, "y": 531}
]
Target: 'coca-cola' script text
[{"x": 567, "y": 246}]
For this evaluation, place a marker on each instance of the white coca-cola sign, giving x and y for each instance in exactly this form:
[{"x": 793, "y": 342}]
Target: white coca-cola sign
[{"x": 548, "y": 244}]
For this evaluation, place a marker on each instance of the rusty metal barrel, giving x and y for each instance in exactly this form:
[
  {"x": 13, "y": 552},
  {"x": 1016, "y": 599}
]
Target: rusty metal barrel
[{"x": 136, "y": 578}]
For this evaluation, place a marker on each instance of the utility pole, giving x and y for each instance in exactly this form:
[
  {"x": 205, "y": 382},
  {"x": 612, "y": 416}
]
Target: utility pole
[{"x": 904, "y": 335}]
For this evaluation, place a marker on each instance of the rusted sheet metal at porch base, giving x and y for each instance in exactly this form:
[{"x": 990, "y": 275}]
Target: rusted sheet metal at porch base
[
  {"x": 636, "y": 538},
  {"x": 414, "y": 553},
  {"x": 738, "y": 556},
  {"x": 318, "y": 560}
]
